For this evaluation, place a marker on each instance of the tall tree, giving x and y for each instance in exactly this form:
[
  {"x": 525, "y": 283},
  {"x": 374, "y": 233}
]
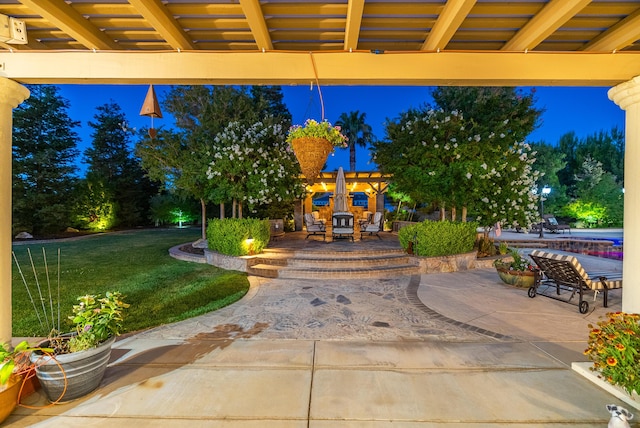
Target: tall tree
[
  {"x": 180, "y": 159},
  {"x": 113, "y": 168},
  {"x": 549, "y": 162},
  {"x": 269, "y": 101},
  {"x": 599, "y": 199},
  {"x": 254, "y": 165},
  {"x": 439, "y": 156},
  {"x": 492, "y": 107},
  {"x": 44, "y": 153},
  {"x": 353, "y": 125},
  {"x": 568, "y": 145}
]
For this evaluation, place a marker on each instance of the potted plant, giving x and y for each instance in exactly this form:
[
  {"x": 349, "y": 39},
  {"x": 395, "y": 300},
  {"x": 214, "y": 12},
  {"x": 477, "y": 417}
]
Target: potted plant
[
  {"x": 79, "y": 359},
  {"x": 312, "y": 143},
  {"x": 518, "y": 272},
  {"x": 15, "y": 368},
  {"x": 613, "y": 346}
]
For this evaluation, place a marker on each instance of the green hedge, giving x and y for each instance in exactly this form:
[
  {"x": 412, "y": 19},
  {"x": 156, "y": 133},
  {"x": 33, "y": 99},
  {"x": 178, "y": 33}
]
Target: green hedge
[
  {"x": 439, "y": 238},
  {"x": 228, "y": 236}
]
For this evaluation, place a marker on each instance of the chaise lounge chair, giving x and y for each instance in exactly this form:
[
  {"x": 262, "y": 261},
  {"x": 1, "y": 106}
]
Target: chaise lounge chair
[
  {"x": 552, "y": 225},
  {"x": 313, "y": 227},
  {"x": 565, "y": 273}
]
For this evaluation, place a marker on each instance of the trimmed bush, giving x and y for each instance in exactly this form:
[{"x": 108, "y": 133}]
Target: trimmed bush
[
  {"x": 229, "y": 236},
  {"x": 439, "y": 238}
]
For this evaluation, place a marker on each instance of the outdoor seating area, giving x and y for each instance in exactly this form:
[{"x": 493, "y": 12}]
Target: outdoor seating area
[
  {"x": 562, "y": 274},
  {"x": 343, "y": 225}
]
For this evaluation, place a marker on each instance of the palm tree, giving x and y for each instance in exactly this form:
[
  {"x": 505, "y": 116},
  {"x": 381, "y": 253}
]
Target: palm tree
[{"x": 357, "y": 131}]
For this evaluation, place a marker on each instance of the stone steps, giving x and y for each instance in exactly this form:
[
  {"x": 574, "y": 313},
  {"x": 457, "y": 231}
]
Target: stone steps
[{"x": 333, "y": 264}]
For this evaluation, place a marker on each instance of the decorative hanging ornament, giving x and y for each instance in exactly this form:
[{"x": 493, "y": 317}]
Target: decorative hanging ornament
[{"x": 151, "y": 108}]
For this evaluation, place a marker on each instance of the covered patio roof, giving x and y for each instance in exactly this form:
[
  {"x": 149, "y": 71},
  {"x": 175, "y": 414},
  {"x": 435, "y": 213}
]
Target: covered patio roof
[
  {"x": 369, "y": 182},
  {"x": 339, "y": 42},
  {"x": 363, "y": 42}
]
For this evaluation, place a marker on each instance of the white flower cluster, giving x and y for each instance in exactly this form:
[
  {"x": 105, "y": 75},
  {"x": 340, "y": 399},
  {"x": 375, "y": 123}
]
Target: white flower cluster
[{"x": 255, "y": 161}]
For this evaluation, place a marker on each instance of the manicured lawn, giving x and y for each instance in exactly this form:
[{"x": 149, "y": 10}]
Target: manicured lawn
[{"x": 159, "y": 288}]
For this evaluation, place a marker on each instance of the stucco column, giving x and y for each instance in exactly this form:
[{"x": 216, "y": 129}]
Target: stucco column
[
  {"x": 627, "y": 96},
  {"x": 11, "y": 94}
]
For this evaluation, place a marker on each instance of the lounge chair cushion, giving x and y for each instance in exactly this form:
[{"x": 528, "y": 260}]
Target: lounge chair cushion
[{"x": 593, "y": 284}]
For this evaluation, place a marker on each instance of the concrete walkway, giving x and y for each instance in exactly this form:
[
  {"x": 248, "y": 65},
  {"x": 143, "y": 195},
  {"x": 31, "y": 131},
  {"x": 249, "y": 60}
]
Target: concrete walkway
[{"x": 456, "y": 349}]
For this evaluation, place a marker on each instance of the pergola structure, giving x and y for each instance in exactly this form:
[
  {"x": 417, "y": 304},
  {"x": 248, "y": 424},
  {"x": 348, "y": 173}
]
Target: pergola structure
[
  {"x": 373, "y": 184},
  {"x": 339, "y": 42}
]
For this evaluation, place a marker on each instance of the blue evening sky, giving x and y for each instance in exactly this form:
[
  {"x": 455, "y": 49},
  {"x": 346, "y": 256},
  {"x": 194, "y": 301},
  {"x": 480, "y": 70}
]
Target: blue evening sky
[{"x": 583, "y": 110}]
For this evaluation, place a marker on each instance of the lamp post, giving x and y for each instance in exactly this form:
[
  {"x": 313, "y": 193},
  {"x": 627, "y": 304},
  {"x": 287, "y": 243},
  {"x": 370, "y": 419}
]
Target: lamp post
[{"x": 544, "y": 192}]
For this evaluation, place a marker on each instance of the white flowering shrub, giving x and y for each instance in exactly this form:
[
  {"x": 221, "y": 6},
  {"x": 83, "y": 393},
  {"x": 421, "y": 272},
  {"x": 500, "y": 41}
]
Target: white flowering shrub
[
  {"x": 438, "y": 156},
  {"x": 254, "y": 164}
]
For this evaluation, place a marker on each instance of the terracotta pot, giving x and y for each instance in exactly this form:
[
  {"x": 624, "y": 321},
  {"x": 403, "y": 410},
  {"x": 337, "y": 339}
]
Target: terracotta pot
[
  {"x": 78, "y": 372},
  {"x": 9, "y": 396},
  {"x": 517, "y": 278},
  {"x": 312, "y": 153}
]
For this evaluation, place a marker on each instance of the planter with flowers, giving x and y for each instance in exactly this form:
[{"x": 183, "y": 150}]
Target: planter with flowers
[
  {"x": 79, "y": 359},
  {"x": 312, "y": 143},
  {"x": 16, "y": 376},
  {"x": 519, "y": 272},
  {"x": 614, "y": 349}
]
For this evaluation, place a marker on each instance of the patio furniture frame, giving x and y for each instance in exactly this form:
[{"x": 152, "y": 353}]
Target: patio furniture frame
[
  {"x": 313, "y": 227},
  {"x": 372, "y": 227},
  {"x": 342, "y": 226},
  {"x": 552, "y": 225},
  {"x": 563, "y": 272}
]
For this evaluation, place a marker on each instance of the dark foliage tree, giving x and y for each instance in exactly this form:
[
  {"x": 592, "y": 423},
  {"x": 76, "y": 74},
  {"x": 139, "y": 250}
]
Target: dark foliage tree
[
  {"x": 549, "y": 162},
  {"x": 113, "y": 168},
  {"x": 489, "y": 107},
  {"x": 44, "y": 152},
  {"x": 269, "y": 101}
]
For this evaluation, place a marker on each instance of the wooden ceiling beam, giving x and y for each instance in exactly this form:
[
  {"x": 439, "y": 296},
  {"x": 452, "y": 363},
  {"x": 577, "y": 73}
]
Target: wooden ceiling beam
[
  {"x": 354, "y": 20},
  {"x": 257, "y": 23},
  {"x": 63, "y": 16},
  {"x": 617, "y": 37},
  {"x": 333, "y": 68},
  {"x": 448, "y": 22},
  {"x": 555, "y": 14},
  {"x": 164, "y": 23}
]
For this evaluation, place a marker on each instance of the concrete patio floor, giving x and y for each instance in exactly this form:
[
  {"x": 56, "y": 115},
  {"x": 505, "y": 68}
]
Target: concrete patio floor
[{"x": 454, "y": 349}]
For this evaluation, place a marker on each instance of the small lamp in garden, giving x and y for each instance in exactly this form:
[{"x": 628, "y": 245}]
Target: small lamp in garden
[
  {"x": 543, "y": 193},
  {"x": 249, "y": 242}
]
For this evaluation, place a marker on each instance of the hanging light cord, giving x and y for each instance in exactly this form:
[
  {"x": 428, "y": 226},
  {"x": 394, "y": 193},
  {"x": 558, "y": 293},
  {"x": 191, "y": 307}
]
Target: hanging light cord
[{"x": 315, "y": 73}]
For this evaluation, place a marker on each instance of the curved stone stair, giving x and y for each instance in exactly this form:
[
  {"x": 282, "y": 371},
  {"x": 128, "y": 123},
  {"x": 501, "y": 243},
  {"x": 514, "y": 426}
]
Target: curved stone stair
[{"x": 333, "y": 264}]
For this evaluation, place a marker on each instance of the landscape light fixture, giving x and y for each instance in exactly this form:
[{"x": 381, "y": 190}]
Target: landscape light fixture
[{"x": 543, "y": 193}]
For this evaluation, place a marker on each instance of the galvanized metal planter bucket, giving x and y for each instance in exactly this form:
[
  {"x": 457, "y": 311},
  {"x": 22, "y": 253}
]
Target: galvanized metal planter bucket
[{"x": 69, "y": 376}]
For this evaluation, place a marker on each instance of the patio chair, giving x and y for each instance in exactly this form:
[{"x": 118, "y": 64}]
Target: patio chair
[
  {"x": 366, "y": 218},
  {"x": 373, "y": 227},
  {"x": 342, "y": 225},
  {"x": 552, "y": 225},
  {"x": 565, "y": 273},
  {"x": 313, "y": 227},
  {"x": 317, "y": 219}
]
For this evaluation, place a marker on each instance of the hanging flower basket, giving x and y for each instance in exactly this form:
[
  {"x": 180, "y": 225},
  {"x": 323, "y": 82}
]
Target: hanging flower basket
[
  {"x": 312, "y": 153},
  {"x": 312, "y": 143}
]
